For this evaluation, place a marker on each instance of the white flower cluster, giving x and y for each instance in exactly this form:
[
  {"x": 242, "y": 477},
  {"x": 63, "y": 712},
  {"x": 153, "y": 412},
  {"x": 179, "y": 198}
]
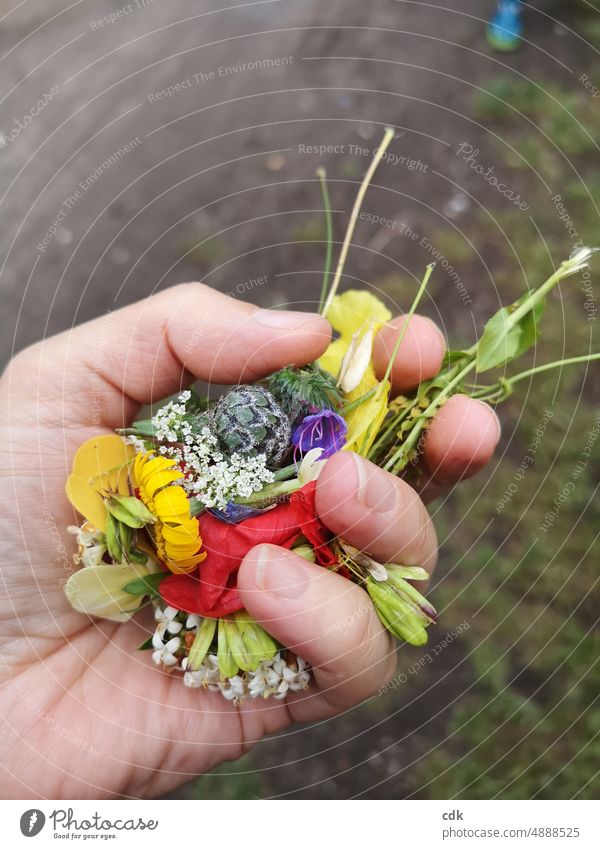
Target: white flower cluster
[
  {"x": 212, "y": 478},
  {"x": 275, "y": 677},
  {"x": 169, "y": 424}
]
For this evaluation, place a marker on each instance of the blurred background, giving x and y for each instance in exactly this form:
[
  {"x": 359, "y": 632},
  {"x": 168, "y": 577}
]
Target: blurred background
[{"x": 151, "y": 142}]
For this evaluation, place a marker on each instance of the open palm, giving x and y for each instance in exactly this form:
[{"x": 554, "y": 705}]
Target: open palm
[{"x": 84, "y": 714}]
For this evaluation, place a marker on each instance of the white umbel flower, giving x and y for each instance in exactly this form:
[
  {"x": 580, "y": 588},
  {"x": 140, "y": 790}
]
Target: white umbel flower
[
  {"x": 166, "y": 656},
  {"x": 282, "y": 674},
  {"x": 275, "y": 677}
]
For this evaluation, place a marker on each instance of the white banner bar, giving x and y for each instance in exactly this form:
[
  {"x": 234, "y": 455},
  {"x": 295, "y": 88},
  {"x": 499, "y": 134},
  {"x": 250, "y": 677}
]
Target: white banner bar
[{"x": 283, "y": 824}]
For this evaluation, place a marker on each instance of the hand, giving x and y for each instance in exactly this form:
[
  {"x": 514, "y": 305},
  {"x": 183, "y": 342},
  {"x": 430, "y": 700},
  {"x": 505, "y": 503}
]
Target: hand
[{"x": 84, "y": 714}]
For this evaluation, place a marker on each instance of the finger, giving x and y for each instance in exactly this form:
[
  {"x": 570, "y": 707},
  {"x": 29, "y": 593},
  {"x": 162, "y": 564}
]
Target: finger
[
  {"x": 375, "y": 511},
  {"x": 325, "y": 619},
  {"x": 459, "y": 441},
  {"x": 150, "y": 349},
  {"x": 420, "y": 354}
]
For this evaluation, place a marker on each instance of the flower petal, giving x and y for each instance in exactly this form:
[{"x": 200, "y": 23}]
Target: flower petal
[
  {"x": 172, "y": 505},
  {"x": 98, "y": 590},
  {"x": 87, "y": 501},
  {"x": 365, "y": 420},
  {"x": 356, "y": 361},
  {"x": 349, "y": 312},
  {"x": 103, "y": 461}
]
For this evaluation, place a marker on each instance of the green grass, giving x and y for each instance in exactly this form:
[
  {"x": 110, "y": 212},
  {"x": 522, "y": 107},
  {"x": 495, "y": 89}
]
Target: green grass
[
  {"x": 529, "y": 725},
  {"x": 234, "y": 780},
  {"x": 204, "y": 253}
]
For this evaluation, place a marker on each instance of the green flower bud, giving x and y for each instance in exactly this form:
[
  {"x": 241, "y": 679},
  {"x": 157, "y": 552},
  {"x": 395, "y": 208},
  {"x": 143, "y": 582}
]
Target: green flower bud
[
  {"x": 398, "y": 615},
  {"x": 236, "y": 644},
  {"x": 201, "y": 644},
  {"x": 410, "y": 594},
  {"x": 228, "y": 667},
  {"x": 129, "y": 510},
  {"x": 113, "y": 539},
  {"x": 258, "y": 644},
  {"x": 307, "y": 552}
]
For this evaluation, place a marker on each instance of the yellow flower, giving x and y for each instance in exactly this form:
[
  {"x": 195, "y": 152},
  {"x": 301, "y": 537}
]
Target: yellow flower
[
  {"x": 100, "y": 467},
  {"x": 357, "y": 312},
  {"x": 176, "y": 534},
  {"x": 351, "y": 313}
]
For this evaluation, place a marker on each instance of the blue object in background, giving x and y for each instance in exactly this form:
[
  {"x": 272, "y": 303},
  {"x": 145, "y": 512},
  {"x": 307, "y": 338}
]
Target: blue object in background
[{"x": 505, "y": 30}]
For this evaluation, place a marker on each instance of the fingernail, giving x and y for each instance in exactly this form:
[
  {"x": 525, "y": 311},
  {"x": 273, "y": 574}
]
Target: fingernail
[
  {"x": 495, "y": 415},
  {"x": 281, "y": 573},
  {"x": 376, "y": 489},
  {"x": 283, "y": 319}
]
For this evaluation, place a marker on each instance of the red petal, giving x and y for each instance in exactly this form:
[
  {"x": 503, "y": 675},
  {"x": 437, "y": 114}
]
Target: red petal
[{"x": 212, "y": 592}]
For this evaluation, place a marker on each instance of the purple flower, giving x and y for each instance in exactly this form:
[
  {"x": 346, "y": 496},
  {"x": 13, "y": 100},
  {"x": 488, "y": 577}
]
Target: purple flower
[{"x": 324, "y": 429}]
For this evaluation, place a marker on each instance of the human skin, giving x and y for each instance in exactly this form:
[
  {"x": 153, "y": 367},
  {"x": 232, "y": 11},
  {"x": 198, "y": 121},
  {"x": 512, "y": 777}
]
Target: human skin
[{"x": 83, "y": 714}]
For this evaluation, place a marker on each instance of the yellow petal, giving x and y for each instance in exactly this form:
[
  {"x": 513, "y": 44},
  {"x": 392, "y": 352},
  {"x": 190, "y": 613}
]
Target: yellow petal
[
  {"x": 103, "y": 462},
  {"x": 182, "y": 533},
  {"x": 172, "y": 505},
  {"x": 87, "y": 501},
  {"x": 352, "y": 310},
  {"x": 98, "y": 590},
  {"x": 365, "y": 420},
  {"x": 179, "y": 565},
  {"x": 158, "y": 480},
  {"x": 333, "y": 356}
]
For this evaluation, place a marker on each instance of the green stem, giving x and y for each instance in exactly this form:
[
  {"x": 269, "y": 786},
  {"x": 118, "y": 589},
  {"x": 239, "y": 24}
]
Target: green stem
[
  {"x": 388, "y": 136},
  {"x": 398, "y": 460},
  {"x": 354, "y": 404},
  {"x": 409, "y": 315},
  {"x": 271, "y": 491},
  {"x": 556, "y": 364},
  {"x": 565, "y": 269},
  {"x": 489, "y": 392},
  {"x": 322, "y": 175}
]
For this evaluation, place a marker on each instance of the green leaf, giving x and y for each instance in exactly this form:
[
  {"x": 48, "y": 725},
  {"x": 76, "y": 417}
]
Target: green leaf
[
  {"x": 147, "y": 644},
  {"x": 145, "y": 586},
  {"x": 143, "y": 428},
  {"x": 196, "y": 507},
  {"x": 134, "y": 555},
  {"x": 451, "y": 357},
  {"x": 502, "y": 342}
]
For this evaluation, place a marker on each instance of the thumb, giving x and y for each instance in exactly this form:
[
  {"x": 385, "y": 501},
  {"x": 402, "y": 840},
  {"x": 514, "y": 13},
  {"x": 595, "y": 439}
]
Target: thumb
[
  {"x": 326, "y": 619},
  {"x": 146, "y": 351}
]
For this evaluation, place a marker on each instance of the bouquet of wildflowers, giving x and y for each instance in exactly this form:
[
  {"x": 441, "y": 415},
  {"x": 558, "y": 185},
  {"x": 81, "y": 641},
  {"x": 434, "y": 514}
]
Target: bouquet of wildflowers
[{"x": 171, "y": 505}]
